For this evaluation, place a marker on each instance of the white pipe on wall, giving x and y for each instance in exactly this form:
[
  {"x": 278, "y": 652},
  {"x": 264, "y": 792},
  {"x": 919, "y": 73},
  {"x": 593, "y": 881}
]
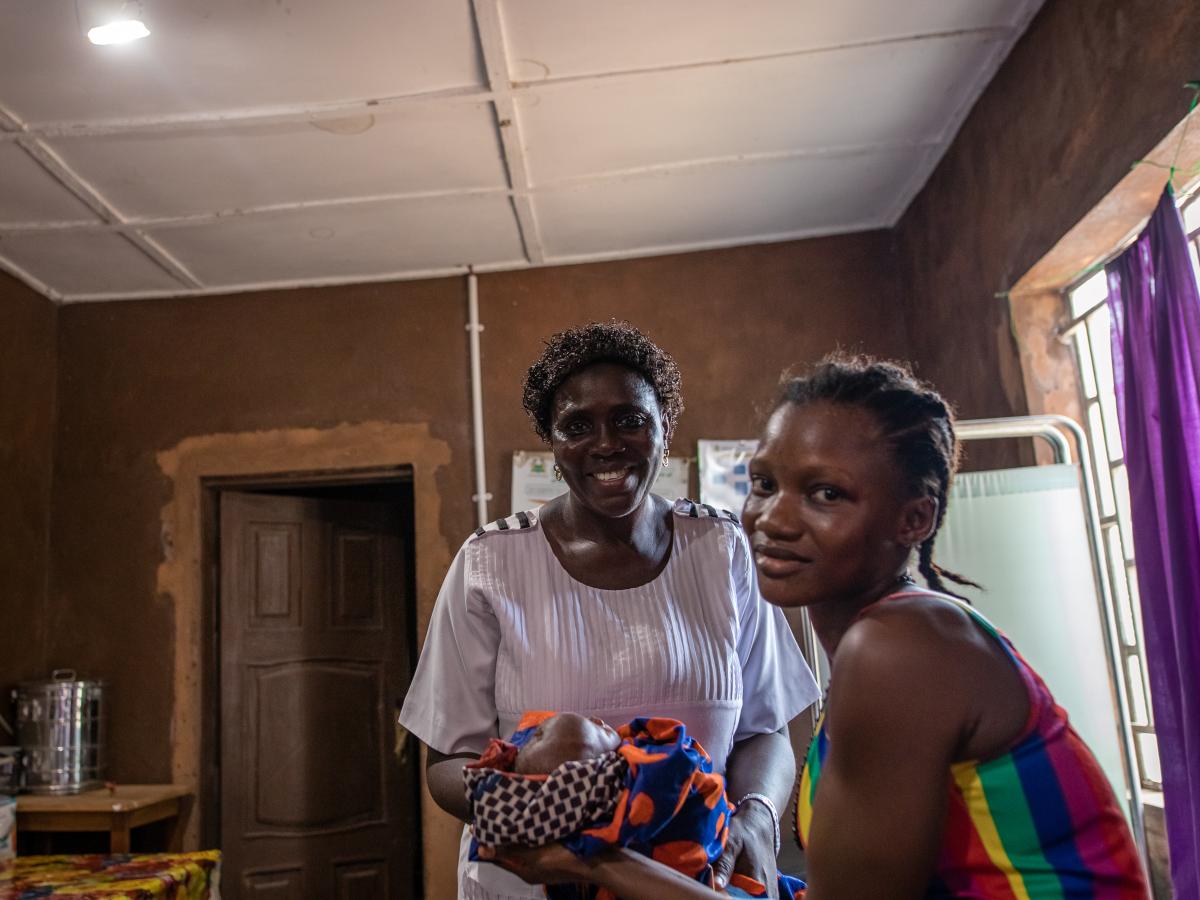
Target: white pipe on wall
[{"x": 481, "y": 495}]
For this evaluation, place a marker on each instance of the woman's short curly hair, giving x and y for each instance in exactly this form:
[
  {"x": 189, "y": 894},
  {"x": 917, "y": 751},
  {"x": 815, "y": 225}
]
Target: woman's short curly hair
[{"x": 614, "y": 342}]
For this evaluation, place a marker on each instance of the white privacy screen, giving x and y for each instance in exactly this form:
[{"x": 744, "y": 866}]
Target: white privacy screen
[{"x": 1021, "y": 534}]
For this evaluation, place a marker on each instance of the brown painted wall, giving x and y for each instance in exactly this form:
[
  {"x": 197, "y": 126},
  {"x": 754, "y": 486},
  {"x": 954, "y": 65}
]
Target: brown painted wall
[
  {"x": 27, "y": 366},
  {"x": 136, "y": 378},
  {"x": 733, "y": 319},
  {"x": 1091, "y": 87}
]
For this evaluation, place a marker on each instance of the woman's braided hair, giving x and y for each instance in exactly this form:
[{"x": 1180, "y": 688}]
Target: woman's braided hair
[
  {"x": 612, "y": 342},
  {"x": 917, "y": 423}
]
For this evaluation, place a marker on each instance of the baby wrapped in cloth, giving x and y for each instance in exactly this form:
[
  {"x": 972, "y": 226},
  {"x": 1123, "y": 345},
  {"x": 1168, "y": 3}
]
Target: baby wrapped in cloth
[{"x": 646, "y": 786}]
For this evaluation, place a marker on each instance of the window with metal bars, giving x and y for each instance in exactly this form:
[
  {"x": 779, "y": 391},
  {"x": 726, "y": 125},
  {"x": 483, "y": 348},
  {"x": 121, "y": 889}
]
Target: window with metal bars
[{"x": 1089, "y": 334}]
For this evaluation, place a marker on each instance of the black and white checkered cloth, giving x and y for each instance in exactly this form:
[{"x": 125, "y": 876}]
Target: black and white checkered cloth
[{"x": 508, "y": 808}]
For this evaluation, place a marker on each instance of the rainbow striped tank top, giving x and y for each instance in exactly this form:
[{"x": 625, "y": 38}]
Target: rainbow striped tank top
[{"x": 1039, "y": 821}]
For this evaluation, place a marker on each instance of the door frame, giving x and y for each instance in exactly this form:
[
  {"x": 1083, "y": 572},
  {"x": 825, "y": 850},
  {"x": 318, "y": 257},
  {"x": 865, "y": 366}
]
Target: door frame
[{"x": 208, "y": 806}]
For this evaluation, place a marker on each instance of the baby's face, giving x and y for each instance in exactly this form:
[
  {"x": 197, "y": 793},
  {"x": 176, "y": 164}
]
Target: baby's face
[{"x": 567, "y": 736}]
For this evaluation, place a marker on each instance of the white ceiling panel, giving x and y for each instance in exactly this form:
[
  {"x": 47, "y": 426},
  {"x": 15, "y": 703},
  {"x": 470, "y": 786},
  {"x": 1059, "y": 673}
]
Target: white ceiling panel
[
  {"x": 420, "y": 147},
  {"x": 85, "y": 262},
  {"x": 360, "y": 240},
  {"x": 707, "y": 206},
  {"x": 882, "y": 94},
  {"x": 264, "y": 143},
  {"x": 207, "y": 55},
  {"x": 29, "y": 194},
  {"x": 566, "y": 38}
]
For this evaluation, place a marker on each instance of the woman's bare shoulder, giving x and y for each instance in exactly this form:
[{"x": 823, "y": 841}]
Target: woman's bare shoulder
[
  {"x": 907, "y": 646},
  {"x": 922, "y": 618}
]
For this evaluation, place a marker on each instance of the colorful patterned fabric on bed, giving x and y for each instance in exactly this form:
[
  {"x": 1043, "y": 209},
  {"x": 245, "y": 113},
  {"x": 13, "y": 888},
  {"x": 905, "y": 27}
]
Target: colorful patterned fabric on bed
[{"x": 142, "y": 876}]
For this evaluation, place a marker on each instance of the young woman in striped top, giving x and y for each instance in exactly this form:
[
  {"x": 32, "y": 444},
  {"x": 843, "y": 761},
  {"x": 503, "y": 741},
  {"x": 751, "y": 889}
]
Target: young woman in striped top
[{"x": 942, "y": 766}]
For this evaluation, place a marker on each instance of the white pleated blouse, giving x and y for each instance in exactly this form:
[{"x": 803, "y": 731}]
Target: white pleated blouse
[{"x": 512, "y": 631}]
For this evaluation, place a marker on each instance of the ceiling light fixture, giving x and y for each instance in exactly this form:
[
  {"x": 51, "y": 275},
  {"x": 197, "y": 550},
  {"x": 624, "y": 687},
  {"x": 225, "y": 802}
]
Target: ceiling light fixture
[
  {"x": 111, "y": 22},
  {"x": 121, "y": 31}
]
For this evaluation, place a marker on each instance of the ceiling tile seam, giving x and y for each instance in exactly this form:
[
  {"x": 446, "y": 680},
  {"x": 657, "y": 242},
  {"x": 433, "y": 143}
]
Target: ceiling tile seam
[
  {"x": 30, "y": 279},
  {"x": 161, "y": 255},
  {"x": 296, "y": 283},
  {"x": 774, "y": 237},
  {"x": 843, "y": 151},
  {"x": 985, "y": 33},
  {"x": 483, "y": 268},
  {"x": 53, "y": 166},
  {"x": 983, "y": 77},
  {"x": 1023, "y": 16},
  {"x": 97, "y": 203},
  {"x": 489, "y": 32},
  {"x": 51, "y": 226},
  {"x": 508, "y": 131},
  {"x": 10, "y": 126},
  {"x": 914, "y": 183},
  {"x": 531, "y": 239},
  {"x": 263, "y": 115},
  {"x": 149, "y": 223},
  {"x": 133, "y": 223}
]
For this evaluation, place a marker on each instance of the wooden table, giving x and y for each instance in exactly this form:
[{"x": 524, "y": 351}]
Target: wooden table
[{"x": 116, "y": 811}]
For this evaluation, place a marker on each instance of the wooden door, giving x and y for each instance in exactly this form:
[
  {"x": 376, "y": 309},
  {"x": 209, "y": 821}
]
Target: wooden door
[{"x": 316, "y": 802}]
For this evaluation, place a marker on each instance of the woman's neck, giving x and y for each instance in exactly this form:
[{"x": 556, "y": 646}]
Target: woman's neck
[
  {"x": 606, "y": 552},
  {"x": 640, "y": 531},
  {"x": 833, "y": 617}
]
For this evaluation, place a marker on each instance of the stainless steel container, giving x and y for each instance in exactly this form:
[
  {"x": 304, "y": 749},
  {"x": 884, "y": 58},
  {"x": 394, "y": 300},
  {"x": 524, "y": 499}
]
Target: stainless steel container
[
  {"x": 62, "y": 729},
  {"x": 10, "y": 770}
]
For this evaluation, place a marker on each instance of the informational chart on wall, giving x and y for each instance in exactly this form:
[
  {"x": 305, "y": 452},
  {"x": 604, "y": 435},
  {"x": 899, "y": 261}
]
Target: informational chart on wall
[
  {"x": 725, "y": 473},
  {"x": 533, "y": 481}
]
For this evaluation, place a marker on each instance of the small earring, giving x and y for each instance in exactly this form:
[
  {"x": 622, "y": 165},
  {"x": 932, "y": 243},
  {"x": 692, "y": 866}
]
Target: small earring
[
  {"x": 666, "y": 460},
  {"x": 557, "y": 472}
]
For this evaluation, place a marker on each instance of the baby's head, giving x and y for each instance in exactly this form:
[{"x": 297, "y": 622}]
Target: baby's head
[{"x": 565, "y": 737}]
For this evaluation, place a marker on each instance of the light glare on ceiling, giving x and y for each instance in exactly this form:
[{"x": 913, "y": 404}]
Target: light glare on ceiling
[{"x": 120, "y": 32}]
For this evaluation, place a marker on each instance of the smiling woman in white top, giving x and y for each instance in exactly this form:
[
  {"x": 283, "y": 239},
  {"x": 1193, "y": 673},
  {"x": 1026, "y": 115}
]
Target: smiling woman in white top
[{"x": 613, "y": 602}]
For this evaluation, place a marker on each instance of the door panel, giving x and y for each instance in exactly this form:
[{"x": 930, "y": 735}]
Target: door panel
[
  {"x": 358, "y": 579},
  {"x": 313, "y": 637},
  {"x": 296, "y": 709},
  {"x": 362, "y": 881},
  {"x": 278, "y": 885},
  {"x": 274, "y": 586}
]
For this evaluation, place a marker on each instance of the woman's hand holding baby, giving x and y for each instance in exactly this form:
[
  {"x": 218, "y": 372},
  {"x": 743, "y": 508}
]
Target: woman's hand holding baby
[
  {"x": 624, "y": 872},
  {"x": 551, "y": 864},
  {"x": 749, "y": 849}
]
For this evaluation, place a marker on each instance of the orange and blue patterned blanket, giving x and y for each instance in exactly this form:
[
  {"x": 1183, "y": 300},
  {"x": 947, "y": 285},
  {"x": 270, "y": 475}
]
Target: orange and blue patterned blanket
[
  {"x": 143, "y": 876},
  {"x": 656, "y": 794}
]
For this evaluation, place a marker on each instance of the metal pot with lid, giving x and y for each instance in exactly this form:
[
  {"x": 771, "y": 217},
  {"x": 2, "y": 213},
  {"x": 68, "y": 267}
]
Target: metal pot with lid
[{"x": 62, "y": 730}]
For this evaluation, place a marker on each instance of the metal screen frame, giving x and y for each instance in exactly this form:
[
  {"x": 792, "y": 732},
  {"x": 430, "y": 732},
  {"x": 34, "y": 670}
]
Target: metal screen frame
[{"x": 1051, "y": 428}]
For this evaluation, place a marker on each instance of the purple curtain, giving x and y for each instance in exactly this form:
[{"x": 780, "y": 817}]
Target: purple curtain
[{"x": 1155, "y": 307}]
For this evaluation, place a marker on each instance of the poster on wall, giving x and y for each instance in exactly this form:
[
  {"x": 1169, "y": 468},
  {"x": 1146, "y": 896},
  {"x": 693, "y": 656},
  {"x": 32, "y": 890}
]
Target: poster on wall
[
  {"x": 533, "y": 481},
  {"x": 725, "y": 473}
]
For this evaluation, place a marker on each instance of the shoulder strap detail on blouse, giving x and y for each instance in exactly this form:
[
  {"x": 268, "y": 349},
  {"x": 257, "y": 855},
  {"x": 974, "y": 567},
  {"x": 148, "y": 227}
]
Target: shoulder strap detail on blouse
[
  {"x": 690, "y": 509},
  {"x": 522, "y": 521}
]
